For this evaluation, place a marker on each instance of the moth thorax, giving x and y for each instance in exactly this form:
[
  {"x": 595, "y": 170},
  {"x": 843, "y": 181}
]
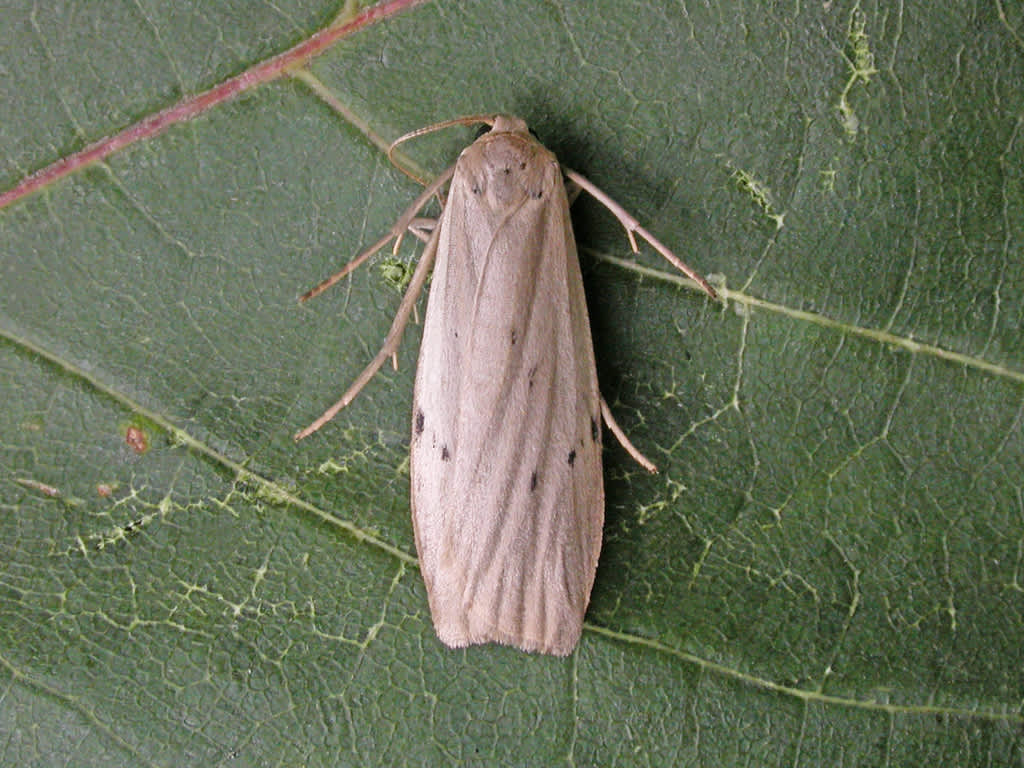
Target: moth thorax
[{"x": 507, "y": 168}]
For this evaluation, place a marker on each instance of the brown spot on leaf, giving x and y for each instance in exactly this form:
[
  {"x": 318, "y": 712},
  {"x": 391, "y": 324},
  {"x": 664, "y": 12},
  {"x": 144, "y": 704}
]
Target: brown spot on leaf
[
  {"x": 136, "y": 439},
  {"x": 43, "y": 488}
]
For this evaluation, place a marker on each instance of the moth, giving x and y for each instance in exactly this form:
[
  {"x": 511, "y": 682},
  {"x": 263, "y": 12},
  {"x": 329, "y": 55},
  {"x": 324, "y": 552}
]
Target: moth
[{"x": 505, "y": 466}]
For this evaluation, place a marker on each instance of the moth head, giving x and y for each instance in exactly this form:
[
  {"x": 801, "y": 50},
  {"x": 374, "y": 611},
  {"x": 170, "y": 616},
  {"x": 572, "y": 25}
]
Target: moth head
[{"x": 509, "y": 124}]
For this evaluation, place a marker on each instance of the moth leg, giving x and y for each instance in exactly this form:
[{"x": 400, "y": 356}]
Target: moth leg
[
  {"x": 408, "y": 221},
  {"x": 572, "y": 191},
  {"x": 421, "y": 228},
  {"x": 631, "y": 449},
  {"x": 419, "y": 279},
  {"x": 631, "y": 225}
]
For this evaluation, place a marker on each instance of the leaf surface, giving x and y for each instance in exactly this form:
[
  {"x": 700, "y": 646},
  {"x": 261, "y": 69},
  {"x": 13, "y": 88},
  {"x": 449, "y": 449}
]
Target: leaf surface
[{"x": 826, "y": 571}]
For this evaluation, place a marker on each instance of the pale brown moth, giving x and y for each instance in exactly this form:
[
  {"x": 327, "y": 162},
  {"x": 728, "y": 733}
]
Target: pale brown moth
[{"x": 505, "y": 466}]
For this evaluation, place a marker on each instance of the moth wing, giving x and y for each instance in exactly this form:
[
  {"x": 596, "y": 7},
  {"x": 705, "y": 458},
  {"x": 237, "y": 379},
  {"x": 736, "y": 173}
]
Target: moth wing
[{"x": 507, "y": 494}]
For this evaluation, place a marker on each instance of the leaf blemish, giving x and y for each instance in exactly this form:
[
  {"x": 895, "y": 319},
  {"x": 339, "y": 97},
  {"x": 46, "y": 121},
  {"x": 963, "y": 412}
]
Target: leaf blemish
[{"x": 136, "y": 439}]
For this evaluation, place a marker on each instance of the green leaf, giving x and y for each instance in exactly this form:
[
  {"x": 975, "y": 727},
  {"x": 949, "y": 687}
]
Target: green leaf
[{"x": 826, "y": 571}]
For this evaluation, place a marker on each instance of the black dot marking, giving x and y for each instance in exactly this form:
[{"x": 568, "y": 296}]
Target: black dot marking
[
  {"x": 476, "y": 189},
  {"x": 594, "y": 434},
  {"x": 507, "y": 170},
  {"x": 572, "y": 457},
  {"x": 512, "y": 336},
  {"x": 445, "y": 455},
  {"x": 533, "y": 481},
  {"x": 529, "y": 377},
  {"x": 538, "y": 194},
  {"x": 522, "y": 165},
  {"x": 420, "y": 418}
]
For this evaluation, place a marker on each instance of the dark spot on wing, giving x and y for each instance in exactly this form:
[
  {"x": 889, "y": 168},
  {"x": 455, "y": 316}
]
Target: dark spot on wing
[
  {"x": 594, "y": 433},
  {"x": 538, "y": 194},
  {"x": 420, "y": 419},
  {"x": 512, "y": 336},
  {"x": 533, "y": 481},
  {"x": 529, "y": 377},
  {"x": 445, "y": 455},
  {"x": 572, "y": 457},
  {"x": 476, "y": 189}
]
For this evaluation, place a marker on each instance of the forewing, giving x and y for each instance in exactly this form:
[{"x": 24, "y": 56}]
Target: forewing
[{"x": 507, "y": 496}]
